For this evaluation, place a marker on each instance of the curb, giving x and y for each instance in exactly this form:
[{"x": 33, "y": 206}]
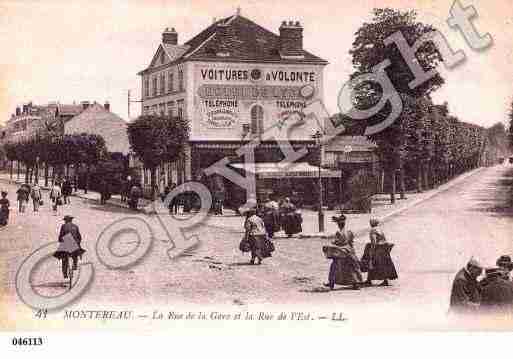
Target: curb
[{"x": 412, "y": 204}]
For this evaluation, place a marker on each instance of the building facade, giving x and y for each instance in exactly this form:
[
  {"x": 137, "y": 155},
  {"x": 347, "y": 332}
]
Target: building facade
[
  {"x": 98, "y": 119},
  {"x": 234, "y": 82}
]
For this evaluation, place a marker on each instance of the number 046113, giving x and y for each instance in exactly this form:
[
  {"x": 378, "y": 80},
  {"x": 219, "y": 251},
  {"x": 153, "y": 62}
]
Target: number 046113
[{"x": 27, "y": 341}]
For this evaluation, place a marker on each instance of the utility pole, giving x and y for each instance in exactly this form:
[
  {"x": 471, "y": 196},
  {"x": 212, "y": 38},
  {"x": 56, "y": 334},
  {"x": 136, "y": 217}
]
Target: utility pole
[
  {"x": 318, "y": 139},
  {"x": 129, "y": 102}
]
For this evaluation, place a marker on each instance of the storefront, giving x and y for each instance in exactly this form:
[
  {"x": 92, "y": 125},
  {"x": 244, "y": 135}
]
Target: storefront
[
  {"x": 299, "y": 181},
  {"x": 234, "y": 89}
]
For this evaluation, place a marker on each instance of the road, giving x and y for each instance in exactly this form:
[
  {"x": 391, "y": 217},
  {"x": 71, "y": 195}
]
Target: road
[{"x": 433, "y": 240}]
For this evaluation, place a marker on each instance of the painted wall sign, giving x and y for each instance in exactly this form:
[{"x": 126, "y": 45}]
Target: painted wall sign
[
  {"x": 299, "y": 105},
  {"x": 250, "y": 92},
  {"x": 221, "y": 103},
  {"x": 295, "y": 117},
  {"x": 221, "y": 118},
  {"x": 256, "y": 74},
  {"x": 224, "y": 95}
]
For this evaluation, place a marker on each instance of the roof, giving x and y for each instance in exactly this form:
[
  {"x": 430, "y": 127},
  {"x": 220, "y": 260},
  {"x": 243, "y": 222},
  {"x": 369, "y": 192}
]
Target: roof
[
  {"x": 248, "y": 42},
  {"x": 69, "y": 109},
  {"x": 174, "y": 52},
  {"x": 97, "y": 120},
  {"x": 354, "y": 143}
]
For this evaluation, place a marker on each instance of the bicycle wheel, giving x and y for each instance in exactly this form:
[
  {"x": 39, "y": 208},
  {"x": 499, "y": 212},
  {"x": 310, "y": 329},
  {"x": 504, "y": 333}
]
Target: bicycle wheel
[{"x": 70, "y": 276}]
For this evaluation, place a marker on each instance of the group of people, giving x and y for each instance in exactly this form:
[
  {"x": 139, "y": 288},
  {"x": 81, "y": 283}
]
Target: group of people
[
  {"x": 346, "y": 269},
  {"x": 280, "y": 216},
  {"x": 491, "y": 295},
  {"x": 60, "y": 193},
  {"x": 131, "y": 192},
  {"x": 263, "y": 222}
]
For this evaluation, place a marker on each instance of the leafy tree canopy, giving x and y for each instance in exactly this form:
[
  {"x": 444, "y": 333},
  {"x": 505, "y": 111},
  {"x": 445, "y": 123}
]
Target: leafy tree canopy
[{"x": 156, "y": 139}]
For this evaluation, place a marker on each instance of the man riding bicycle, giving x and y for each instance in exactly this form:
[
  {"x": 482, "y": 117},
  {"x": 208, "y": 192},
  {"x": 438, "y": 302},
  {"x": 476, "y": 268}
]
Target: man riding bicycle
[{"x": 69, "y": 245}]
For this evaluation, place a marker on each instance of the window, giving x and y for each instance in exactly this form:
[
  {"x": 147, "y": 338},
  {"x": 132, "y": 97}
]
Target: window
[
  {"x": 170, "y": 108},
  {"x": 146, "y": 87},
  {"x": 154, "y": 93},
  {"x": 162, "y": 84},
  {"x": 170, "y": 82},
  {"x": 257, "y": 119},
  {"x": 180, "y": 80},
  {"x": 179, "y": 105},
  {"x": 162, "y": 109},
  {"x": 146, "y": 110}
]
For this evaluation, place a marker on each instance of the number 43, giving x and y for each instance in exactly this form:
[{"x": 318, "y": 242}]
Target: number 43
[{"x": 41, "y": 313}]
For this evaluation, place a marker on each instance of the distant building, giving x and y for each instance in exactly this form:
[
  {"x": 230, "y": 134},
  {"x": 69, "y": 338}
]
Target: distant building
[
  {"x": 98, "y": 119},
  {"x": 350, "y": 152},
  {"x": 26, "y": 122},
  {"x": 29, "y": 119}
]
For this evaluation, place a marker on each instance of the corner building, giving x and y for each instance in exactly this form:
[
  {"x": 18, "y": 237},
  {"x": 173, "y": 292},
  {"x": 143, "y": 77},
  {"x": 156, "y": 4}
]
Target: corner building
[{"x": 235, "y": 81}]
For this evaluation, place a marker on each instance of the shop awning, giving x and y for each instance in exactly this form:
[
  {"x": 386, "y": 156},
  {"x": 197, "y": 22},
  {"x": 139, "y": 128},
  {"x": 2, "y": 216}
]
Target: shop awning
[{"x": 294, "y": 170}]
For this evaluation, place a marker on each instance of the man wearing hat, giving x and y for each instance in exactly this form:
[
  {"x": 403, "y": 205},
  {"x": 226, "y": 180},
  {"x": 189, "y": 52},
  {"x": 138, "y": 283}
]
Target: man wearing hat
[
  {"x": 465, "y": 296},
  {"x": 496, "y": 291},
  {"x": 69, "y": 244},
  {"x": 504, "y": 262}
]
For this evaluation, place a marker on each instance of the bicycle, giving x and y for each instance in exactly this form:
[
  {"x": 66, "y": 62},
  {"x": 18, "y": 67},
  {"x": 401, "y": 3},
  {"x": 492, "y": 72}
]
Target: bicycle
[{"x": 70, "y": 276}]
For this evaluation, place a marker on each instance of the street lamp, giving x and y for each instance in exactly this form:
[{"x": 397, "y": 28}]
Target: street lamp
[{"x": 318, "y": 141}]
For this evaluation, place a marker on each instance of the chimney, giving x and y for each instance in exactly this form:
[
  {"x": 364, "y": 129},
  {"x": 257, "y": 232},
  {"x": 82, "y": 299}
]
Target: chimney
[
  {"x": 170, "y": 37},
  {"x": 106, "y": 106},
  {"x": 85, "y": 104},
  {"x": 18, "y": 111},
  {"x": 291, "y": 38}
]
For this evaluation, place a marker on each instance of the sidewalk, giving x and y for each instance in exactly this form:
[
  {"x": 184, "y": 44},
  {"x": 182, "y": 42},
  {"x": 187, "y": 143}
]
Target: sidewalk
[
  {"x": 358, "y": 222},
  {"x": 115, "y": 200}
]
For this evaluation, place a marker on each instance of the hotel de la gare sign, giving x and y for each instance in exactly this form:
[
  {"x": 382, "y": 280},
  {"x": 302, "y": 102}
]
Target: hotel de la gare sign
[{"x": 230, "y": 95}]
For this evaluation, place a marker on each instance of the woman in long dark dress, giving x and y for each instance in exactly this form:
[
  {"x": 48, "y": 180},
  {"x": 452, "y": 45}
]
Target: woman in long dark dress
[
  {"x": 271, "y": 217},
  {"x": 344, "y": 268},
  {"x": 376, "y": 258},
  {"x": 290, "y": 220},
  {"x": 260, "y": 246},
  {"x": 4, "y": 209}
]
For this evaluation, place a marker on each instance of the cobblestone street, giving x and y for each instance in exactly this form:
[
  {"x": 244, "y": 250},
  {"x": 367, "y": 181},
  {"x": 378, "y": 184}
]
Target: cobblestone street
[{"x": 468, "y": 217}]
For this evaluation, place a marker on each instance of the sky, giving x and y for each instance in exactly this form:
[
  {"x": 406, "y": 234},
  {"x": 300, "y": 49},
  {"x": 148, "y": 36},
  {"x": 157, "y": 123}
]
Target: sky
[{"x": 91, "y": 50}]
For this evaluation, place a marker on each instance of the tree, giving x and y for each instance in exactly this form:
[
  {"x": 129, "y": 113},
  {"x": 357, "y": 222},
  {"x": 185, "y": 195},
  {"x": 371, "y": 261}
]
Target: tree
[
  {"x": 369, "y": 50},
  {"x": 157, "y": 139},
  {"x": 510, "y": 115},
  {"x": 11, "y": 154},
  {"x": 89, "y": 150}
]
